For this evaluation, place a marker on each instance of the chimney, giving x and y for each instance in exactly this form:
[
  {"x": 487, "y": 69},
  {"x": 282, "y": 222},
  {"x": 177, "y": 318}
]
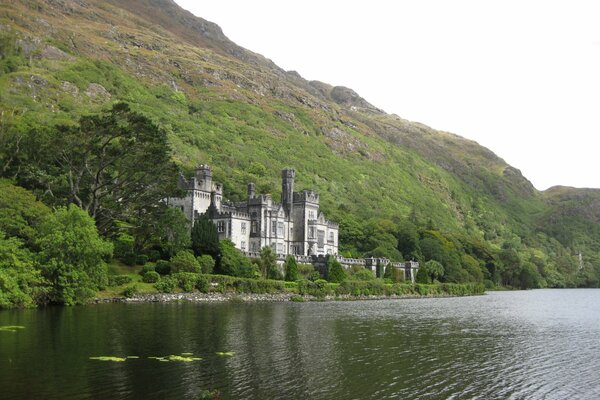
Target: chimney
[{"x": 251, "y": 190}]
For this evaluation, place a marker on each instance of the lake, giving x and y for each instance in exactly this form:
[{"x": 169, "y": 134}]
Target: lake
[{"x": 539, "y": 344}]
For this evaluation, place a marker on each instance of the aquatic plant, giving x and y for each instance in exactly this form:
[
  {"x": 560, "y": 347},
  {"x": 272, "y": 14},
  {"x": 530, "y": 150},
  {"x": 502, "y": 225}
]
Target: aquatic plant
[
  {"x": 225, "y": 353},
  {"x": 109, "y": 358},
  {"x": 11, "y": 328},
  {"x": 184, "y": 357}
]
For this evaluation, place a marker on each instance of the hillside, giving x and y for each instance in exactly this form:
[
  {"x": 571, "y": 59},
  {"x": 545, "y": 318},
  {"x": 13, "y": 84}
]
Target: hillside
[{"x": 236, "y": 110}]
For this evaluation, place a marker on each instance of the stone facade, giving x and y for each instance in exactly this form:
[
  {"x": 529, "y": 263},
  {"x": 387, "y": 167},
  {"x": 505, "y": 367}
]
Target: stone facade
[{"x": 295, "y": 226}]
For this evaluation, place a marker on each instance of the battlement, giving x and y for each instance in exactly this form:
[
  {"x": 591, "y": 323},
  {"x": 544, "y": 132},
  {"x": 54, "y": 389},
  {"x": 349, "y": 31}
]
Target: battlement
[
  {"x": 232, "y": 214},
  {"x": 306, "y": 196},
  {"x": 261, "y": 199}
]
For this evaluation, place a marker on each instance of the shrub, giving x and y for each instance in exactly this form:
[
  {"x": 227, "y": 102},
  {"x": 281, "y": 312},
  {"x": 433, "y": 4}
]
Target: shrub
[
  {"x": 129, "y": 259},
  {"x": 186, "y": 280},
  {"x": 153, "y": 255},
  {"x": 335, "y": 271},
  {"x": 163, "y": 267},
  {"x": 290, "y": 285},
  {"x": 307, "y": 271},
  {"x": 246, "y": 285},
  {"x": 166, "y": 285},
  {"x": 118, "y": 280},
  {"x": 365, "y": 288},
  {"x": 141, "y": 259},
  {"x": 207, "y": 264},
  {"x": 202, "y": 284},
  {"x": 146, "y": 268},
  {"x": 362, "y": 274},
  {"x": 130, "y": 291},
  {"x": 151, "y": 277},
  {"x": 318, "y": 288},
  {"x": 401, "y": 289},
  {"x": 184, "y": 261}
]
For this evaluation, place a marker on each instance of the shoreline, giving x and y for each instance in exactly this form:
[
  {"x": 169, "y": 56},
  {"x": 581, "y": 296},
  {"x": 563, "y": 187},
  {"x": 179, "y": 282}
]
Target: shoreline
[{"x": 198, "y": 297}]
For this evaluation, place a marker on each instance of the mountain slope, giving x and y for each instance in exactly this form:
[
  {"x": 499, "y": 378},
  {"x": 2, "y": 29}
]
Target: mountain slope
[{"x": 238, "y": 111}]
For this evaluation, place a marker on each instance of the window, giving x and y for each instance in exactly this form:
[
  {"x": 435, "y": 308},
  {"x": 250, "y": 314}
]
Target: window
[
  {"x": 274, "y": 228},
  {"x": 243, "y": 246},
  {"x": 220, "y": 226},
  {"x": 331, "y": 237},
  {"x": 280, "y": 229},
  {"x": 321, "y": 239},
  {"x": 243, "y": 228},
  {"x": 311, "y": 215},
  {"x": 279, "y": 248},
  {"x": 311, "y": 232},
  {"x": 254, "y": 227}
]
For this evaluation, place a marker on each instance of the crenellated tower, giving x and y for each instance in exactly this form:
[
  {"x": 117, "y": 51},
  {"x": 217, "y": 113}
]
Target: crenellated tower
[{"x": 287, "y": 189}]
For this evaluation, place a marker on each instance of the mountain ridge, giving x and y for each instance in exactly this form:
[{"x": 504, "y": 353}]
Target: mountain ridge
[{"x": 237, "y": 110}]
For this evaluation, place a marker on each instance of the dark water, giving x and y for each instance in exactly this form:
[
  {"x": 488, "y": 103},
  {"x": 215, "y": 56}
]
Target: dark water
[{"x": 542, "y": 344}]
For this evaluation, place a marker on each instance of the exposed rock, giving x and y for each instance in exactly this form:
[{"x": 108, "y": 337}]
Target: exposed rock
[
  {"x": 70, "y": 88},
  {"x": 53, "y": 53},
  {"x": 97, "y": 92},
  {"x": 349, "y": 98}
]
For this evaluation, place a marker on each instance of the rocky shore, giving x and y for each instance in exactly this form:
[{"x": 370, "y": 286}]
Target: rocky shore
[{"x": 197, "y": 297}]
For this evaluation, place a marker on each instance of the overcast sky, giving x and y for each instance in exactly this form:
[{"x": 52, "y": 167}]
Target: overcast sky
[{"x": 520, "y": 77}]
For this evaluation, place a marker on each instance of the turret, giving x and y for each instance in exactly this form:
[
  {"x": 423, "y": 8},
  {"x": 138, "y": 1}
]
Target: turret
[
  {"x": 204, "y": 177},
  {"x": 251, "y": 190},
  {"x": 287, "y": 189}
]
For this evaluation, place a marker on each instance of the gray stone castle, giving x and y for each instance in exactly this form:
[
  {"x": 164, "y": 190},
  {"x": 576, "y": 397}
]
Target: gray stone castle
[{"x": 295, "y": 226}]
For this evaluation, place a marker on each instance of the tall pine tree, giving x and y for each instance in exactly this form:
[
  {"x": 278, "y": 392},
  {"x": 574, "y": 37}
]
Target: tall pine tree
[{"x": 205, "y": 239}]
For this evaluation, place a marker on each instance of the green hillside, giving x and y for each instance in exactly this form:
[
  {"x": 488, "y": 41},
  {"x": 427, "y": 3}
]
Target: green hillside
[{"x": 382, "y": 177}]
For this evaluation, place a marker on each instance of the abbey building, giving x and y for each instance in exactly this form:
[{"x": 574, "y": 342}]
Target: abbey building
[{"x": 295, "y": 226}]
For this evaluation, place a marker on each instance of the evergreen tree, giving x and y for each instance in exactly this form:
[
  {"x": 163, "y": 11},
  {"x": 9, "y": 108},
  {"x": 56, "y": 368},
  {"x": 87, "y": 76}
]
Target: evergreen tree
[
  {"x": 205, "y": 239},
  {"x": 335, "y": 271},
  {"x": 389, "y": 271},
  {"x": 291, "y": 269}
]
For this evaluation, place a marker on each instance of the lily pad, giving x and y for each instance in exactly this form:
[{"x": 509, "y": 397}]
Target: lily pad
[
  {"x": 133, "y": 357},
  {"x": 109, "y": 358},
  {"x": 225, "y": 353},
  {"x": 11, "y": 328},
  {"x": 174, "y": 358}
]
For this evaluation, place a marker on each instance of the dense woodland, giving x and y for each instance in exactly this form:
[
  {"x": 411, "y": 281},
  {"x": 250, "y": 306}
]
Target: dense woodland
[{"x": 94, "y": 131}]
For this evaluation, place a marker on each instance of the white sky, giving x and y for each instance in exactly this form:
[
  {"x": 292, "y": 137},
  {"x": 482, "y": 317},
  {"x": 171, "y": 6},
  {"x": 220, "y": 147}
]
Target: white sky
[{"x": 520, "y": 77}]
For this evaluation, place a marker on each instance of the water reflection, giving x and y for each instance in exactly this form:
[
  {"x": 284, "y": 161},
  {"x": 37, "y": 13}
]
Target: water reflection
[{"x": 535, "y": 344}]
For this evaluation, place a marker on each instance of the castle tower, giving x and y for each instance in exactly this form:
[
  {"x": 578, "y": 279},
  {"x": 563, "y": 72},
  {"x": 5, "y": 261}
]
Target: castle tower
[
  {"x": 251, "y": 191},
  {"x": 287, "y": 189},
  {"x": 204, "y": 177}
]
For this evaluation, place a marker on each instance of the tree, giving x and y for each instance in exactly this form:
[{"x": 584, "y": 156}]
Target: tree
[
  {"x": 335, "y": 271},
  {"x": 168, "y": 231},
  {"x": 268, "y": 264},
  {"x": 291, "y": 269},
  {"x": 408, "y": 240},
  {"x": 21, "y": 284},
  {"x": 430, "y": 271},
  {"x": 116, "y": 165},
  {"x": 20, "y": 213},
  {"x": 205, "y": 239},
  {"x": 72, "y": 255},
  {"x": 233, "y": 262},
  {"x": 511, "y": 262},
  {"x": 184, "y": 261}
]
